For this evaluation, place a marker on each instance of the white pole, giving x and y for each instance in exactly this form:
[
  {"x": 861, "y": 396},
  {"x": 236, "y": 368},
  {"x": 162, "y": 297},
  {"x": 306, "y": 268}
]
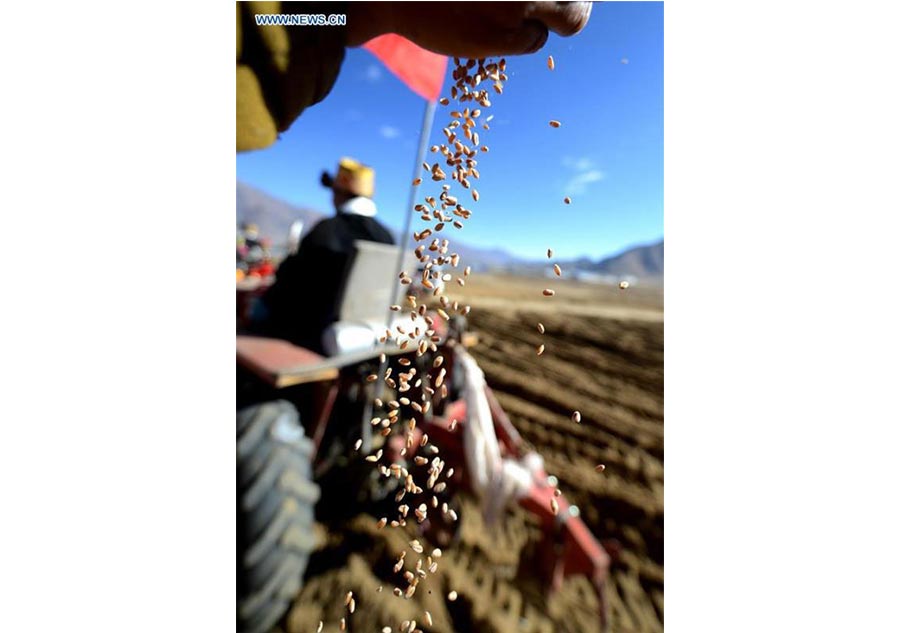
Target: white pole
[
  {"x": 427, "y": 121},
  {"x": 424, "y": 135}
]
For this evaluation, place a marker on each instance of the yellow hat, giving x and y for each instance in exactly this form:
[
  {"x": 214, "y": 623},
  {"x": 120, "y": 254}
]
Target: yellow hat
[{"x": 352, "y": 177}]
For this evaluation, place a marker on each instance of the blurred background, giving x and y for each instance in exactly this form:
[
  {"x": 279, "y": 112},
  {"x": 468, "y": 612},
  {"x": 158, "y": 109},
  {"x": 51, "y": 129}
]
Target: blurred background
[{"x": 604, "y": 344}]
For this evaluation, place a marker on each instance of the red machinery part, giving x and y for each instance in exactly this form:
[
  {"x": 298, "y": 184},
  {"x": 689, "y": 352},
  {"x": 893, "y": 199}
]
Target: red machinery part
[{"x": 581, "y": 553}]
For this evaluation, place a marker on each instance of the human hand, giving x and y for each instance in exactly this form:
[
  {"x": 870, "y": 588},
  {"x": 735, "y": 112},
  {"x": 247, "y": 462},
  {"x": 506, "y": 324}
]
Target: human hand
[{"x": 468, "y": 29}]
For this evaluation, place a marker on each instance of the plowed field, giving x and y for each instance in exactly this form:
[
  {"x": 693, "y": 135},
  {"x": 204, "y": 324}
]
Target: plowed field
[{"x": 604, "y": 357}]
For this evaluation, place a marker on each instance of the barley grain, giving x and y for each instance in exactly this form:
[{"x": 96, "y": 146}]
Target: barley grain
[
  {"x": 623, "y": 285},
  {"x": 600, "y": 468},
  {"x": 452, "y": 596},
  {"x": 540, "y": 328},
  {"x": 576, "y": 417},
  {"x": 554, "y": 506},
  {"x": 567, "y": 200},
  {"x": 557, "y": 270},
  {"x": 555, "y": 123},
  {"x": 550, "y": 64},
  {"x": 548, "y": 292},
  {"x": 540, "y": 349},
  {"x": 549, "y": 253}
]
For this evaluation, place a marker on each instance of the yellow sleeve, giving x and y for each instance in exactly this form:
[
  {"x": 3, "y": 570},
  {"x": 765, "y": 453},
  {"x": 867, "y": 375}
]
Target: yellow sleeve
[{"x": 282, "y": 70}]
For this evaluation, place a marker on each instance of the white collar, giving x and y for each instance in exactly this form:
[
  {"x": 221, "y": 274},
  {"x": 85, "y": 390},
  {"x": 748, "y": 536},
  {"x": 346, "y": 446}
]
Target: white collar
[{"x": 359, "y": 206}]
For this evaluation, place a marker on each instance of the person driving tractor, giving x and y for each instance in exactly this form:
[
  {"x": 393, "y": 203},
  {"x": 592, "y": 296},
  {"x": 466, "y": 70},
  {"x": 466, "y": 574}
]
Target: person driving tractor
[{"x": 305, "y": 297}]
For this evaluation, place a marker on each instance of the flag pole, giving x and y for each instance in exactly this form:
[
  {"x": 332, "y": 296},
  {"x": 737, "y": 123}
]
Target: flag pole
[{"x": 424, "y": 135}]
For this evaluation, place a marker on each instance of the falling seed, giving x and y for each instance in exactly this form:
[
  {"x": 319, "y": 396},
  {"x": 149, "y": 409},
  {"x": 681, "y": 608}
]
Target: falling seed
[
  {"x": 540, "y": 350},
  {"x": 452, "y": 596},
  {"x": 428, "y": 619},
  {"x": 567, "y": 200},
  {"x": 475, "y": 194},
  {"x": 550, "y": 63},
  {"x": 557, "y": 492},
  {"x": 576, "y": 417},
  {"x": 321, "y": 626},
  {"x": 554, "y": 506},
  {"x": 444, "y": 101},
  {"x": 343, "y": 624},
  {"x": 548, "y": 292},
  {"x": 555, "y": 124},
  {"x": 371, "y": 377},
  {"x": 417, "y": 182},
  {"x": 382, "y": 522},
  {"x": 557, "y": 270},
  {"x": 541, "y": 328},
  {"x": 352, "y": 606},
  {"x": 357, "y": 445},
  {"x": 623, "y": 285},
  {"x": 549, "y": 253},
  {"x": 600, "y": 468}
]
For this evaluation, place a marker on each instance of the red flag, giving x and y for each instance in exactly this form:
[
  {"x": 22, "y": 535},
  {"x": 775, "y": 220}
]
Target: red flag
[{"x": 422, "y": 71}]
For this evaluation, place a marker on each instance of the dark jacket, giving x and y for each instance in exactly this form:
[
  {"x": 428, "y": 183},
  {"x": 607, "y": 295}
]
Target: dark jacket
[{"x": 306, "y": 295}]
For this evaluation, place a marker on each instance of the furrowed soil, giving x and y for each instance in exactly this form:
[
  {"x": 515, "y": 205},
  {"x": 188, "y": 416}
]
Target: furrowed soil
[{"x": 604, "y": 358}]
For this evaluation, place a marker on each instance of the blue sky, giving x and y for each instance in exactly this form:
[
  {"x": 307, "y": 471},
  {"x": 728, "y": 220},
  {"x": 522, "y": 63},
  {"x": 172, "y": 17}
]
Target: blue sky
[{"x": 607, "y": 90}]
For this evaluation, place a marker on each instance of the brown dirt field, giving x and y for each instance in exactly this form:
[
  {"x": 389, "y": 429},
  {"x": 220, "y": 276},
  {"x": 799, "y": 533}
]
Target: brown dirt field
[{"x": 604, "y": 357}]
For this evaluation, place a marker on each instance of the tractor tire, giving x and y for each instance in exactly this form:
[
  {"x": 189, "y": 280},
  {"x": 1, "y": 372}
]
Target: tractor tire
[{"x": 276, "y": 499}]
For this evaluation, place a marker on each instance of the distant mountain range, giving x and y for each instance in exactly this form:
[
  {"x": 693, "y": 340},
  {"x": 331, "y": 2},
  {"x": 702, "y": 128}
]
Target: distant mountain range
[{"x": 274, "y": 218}]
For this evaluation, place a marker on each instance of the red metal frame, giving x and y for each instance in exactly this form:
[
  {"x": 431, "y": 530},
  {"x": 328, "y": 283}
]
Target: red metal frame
[{"x": 581, "y": 553}]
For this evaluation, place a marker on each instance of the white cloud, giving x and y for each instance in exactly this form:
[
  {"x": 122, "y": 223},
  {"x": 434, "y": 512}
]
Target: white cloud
[
  {"x": 373, "y": 73},
  {"x": 578, "y": 184},
  {"x": 586, "y": 173},
  {"x": 388, "y": 132},
  {"x": 578, "y": 164}
]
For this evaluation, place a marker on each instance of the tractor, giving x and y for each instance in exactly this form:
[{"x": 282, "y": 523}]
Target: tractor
[{"x": 304, "y": 429}]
